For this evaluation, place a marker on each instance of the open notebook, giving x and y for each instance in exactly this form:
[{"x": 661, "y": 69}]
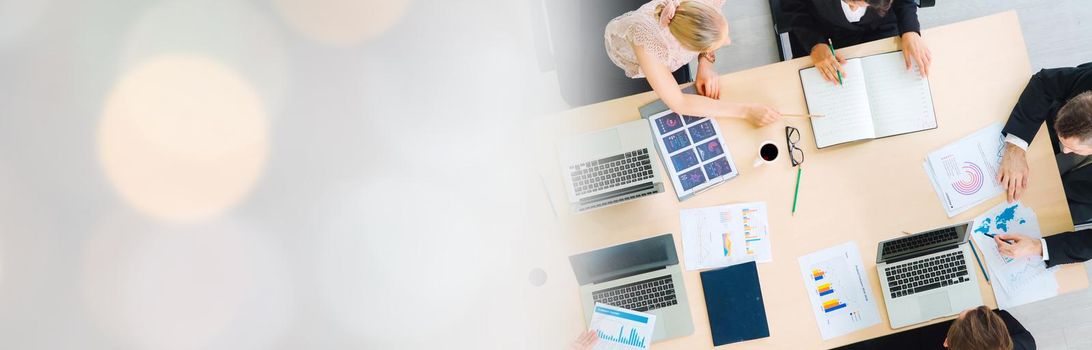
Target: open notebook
[{"x": 878, "y": 98}]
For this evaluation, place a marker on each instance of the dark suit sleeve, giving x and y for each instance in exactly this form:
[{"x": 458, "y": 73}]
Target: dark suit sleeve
[
  {"x": 906, "y": 11},
  {"x": 1045, "y": 88},
  {"x": 1069, "y": 247},
  {"x": 802, "y": 24},
  {"x": 1021, "y": 338}
]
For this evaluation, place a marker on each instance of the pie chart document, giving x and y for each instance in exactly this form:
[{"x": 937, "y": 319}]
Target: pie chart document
[{"x": 963, "y": 172}]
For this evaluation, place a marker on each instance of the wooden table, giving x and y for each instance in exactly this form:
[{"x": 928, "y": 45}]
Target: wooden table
[{"x": 864, "y": 192}]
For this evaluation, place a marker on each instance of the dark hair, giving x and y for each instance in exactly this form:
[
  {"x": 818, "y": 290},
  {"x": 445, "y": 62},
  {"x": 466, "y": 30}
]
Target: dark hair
[
  {"x": 979, "y": 329},
  {"x": 881, "y": 6},
  {"x": 1075, "y": 118}
]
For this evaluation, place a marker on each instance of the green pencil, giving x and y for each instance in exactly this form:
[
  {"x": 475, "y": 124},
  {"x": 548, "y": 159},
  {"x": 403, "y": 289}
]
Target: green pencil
[
  {"x": 830, "y": 44},
  {"x": 796, "y": 193}
]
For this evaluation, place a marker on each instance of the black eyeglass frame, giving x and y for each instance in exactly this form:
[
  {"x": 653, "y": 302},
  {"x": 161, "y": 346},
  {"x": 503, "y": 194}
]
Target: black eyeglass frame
[{"x": 790, "y": 132}]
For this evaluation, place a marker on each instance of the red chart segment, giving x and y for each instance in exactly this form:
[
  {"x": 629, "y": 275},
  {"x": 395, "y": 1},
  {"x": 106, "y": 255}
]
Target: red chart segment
[{"x": 971, "y": 181}]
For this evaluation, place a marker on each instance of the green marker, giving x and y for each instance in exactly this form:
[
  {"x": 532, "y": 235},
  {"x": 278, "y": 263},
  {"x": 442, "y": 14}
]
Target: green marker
[
  {"x": 830, "y": 44},
  {"x": 796, "y": 193}
]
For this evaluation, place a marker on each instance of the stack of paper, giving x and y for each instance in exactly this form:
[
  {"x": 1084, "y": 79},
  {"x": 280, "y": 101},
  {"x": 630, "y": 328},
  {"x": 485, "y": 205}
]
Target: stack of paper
[
  {"x": 1015, "y": 281},
  {"x": 964, "y": 173},
  {"x": 725, "y": 235}
]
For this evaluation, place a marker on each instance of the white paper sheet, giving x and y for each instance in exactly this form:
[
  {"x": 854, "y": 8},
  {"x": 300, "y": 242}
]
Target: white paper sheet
[
  {"x": 900, "y": 100},
  {"x": 725, "y": 235},
  {"x": 964, "y": 173},
  {"x": 839, "y": 291},
  {"x": 1015, "y": 281},
  {"x": 621, "y": 329}
]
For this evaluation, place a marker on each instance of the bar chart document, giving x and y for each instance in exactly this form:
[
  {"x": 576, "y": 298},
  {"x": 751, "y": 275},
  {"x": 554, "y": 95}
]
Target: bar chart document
[
  {"x": 964, "y": 172},
  {"x": 725, "y": 235},
  {"x": 621, "y": 329},
  {"x": 838, "y": 290}
]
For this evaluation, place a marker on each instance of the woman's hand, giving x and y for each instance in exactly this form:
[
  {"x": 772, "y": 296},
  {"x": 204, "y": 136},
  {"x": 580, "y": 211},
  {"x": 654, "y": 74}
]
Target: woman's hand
[
  {"x": 707, "y": 81},
  {"x": 761, "y": 115},
  {"x": 914, "y": 51},
  {"x": 827, "y": 63},
  {"x": 585, "y": 341}
]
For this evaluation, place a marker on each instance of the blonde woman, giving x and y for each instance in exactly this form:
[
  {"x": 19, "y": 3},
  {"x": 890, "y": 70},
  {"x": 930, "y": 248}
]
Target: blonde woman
[{"x": 662, "y": 36}]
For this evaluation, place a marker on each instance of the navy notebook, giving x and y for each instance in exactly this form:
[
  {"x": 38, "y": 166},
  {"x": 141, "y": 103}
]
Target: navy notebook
[{"x": 733, "y": 300}]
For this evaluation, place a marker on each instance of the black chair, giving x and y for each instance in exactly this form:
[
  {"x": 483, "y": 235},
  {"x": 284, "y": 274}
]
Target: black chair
[
  {"x": 787, "y": 44},
  {"x": 569, "y": 39}
]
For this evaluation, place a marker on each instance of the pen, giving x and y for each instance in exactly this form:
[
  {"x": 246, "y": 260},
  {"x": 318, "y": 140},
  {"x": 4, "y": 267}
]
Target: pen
[
  {"x": 984, "y": 274},
  {"x": 802, "y": 115},
  {"x": 796, "y": 193},
  {"x": 990, "y": 235},
  {"x": 830, "y": 44}
]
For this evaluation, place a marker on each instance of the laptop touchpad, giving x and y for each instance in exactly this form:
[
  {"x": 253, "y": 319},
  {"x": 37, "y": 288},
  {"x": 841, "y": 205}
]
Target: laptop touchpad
[{"x": 935, "y": 305}]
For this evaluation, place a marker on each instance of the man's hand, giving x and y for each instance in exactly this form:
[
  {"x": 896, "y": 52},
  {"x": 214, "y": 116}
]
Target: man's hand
[
  {"x": 1013, "y": 174},
  {"x": 1020, "y": 247},
  {"x": 828, "y": 64},
  {"x": 707, "y": 81},
  {"x": 585, "y": 341},
  {"x": 915, "y": 51}
]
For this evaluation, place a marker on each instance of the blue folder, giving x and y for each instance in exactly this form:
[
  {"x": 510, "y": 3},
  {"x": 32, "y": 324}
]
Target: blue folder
[{"x": 733, "y": 300}]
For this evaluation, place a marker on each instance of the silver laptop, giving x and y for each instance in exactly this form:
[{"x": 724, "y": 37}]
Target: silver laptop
[
  {"x": 642, "y": 276},
  {"x": 610, "y": 166},
  {"x": 928, "y": 275}
]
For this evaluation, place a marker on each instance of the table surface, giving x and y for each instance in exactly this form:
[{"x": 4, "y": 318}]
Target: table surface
[{"x": 863, "y": 192}]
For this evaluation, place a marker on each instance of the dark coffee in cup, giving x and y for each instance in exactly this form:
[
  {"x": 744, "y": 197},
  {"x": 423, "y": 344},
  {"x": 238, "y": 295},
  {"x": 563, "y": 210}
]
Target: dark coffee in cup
[{"x": 768, "y": 152}]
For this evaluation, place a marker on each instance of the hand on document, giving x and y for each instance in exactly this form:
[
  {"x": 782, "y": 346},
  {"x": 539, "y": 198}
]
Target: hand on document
[
  {"x": 1013, "y": 173},
  {"x": 828, "y": 63},
  {"x": 915, "y": 52},
  {"x": 1018, "y": 246}
]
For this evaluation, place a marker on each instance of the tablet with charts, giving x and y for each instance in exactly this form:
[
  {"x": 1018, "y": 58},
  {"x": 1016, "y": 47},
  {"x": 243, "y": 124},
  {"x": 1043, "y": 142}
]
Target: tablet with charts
[{"x": 693, "y": 151}]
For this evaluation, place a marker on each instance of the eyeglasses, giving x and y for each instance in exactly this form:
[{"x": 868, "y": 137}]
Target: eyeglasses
[{"x": 792, "y": 137}]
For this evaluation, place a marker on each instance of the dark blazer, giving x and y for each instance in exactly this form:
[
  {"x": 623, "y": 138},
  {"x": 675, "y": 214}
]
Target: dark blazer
[
  {"x": 1021, "y": 338},
  {"x": 1069, "y": 247},
  {"x": 812, "y": 22},
  {"x": 1045, "y": 94}
]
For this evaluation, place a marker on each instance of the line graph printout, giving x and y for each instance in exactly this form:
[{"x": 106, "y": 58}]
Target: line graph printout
[
  {"x": 725, "y": 235},
  {"x": 1015, "y": 281},
  {"x": 621, "y": 329},
  {"x": 963, "y": 172},
  {"x": 839, "y": 291}
]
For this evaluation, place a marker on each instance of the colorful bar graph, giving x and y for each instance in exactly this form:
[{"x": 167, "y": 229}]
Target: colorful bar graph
[
  {"x": 817, "y": 274},
  {"x": 824, "y": 289},
  {"x": 632, "y": 340},
  {"x": 833, "y": 304},
  {"x": 727, "y": 236}
]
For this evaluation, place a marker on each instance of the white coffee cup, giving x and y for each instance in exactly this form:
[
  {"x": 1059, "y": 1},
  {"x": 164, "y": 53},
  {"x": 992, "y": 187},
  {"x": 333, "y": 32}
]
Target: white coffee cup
[{"x": 767, "y": 153}]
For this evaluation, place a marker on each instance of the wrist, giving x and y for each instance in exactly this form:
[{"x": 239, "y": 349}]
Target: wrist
[{"x": 1014, "y": 150}]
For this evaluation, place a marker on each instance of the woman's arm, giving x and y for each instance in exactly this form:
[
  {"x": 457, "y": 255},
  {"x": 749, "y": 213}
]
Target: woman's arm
[{"x": 668, "y": 90}]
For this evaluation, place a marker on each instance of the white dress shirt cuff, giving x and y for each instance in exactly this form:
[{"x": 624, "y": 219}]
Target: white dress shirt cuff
[
  {"x": 1046, "y": 254},
  {"x": 1010, "y": 138}
]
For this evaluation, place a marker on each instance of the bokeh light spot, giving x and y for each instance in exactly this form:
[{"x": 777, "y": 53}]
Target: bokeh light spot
[{"x": 341, "y": 22}]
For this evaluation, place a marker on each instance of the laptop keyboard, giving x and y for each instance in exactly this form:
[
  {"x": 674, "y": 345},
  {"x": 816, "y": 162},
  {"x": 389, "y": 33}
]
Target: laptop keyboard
[
  {"x": 641, "y": 296},
  {"x": 919, "y": 241},
  {"x": 926, "y": 274},
  {"x": 596, "y": 175}
]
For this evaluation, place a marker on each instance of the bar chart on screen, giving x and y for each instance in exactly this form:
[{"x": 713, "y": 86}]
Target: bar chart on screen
[{"x": 621, "y": 329}]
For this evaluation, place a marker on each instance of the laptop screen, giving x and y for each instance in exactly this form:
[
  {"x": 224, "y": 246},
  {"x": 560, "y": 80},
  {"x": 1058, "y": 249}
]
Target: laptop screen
[{"x": 624, "y": 260}]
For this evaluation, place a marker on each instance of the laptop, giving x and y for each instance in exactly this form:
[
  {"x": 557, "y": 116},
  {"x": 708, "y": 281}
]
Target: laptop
[
  {"x": 609, "y": 166},
  {"x": 927, "y": 275},
  {"x": 642, "y": 276}
]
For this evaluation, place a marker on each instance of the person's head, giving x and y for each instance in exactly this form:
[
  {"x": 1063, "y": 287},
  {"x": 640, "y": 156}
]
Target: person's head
[
  {"x": 881, "y": 6},
  {"x": 698, "y": 26},
  {"x": 1074, "y": 125},
  {"x": 978, "y": 329}
]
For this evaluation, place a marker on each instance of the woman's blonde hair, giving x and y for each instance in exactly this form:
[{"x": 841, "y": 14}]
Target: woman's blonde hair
[{"x": 696, "y": 25}]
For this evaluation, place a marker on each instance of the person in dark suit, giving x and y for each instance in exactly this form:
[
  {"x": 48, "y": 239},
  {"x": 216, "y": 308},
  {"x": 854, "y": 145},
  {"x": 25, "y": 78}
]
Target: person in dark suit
[
  {"x": 1062, "y": 248},
  {"x": 983, "y": 329},
  {"x": 851, "y": 22},
  {"x": 1062, "y": 99}
]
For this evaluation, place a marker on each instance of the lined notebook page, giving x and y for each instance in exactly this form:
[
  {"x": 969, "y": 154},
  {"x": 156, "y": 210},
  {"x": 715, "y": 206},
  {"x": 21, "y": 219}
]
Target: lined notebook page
[
  {"x": 900, "y": 99},
  {"x": 845, "y": 108}
]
